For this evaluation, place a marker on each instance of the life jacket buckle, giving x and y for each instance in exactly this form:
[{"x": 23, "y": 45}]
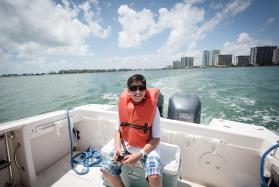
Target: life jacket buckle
[{"x": 145, "y": 128}]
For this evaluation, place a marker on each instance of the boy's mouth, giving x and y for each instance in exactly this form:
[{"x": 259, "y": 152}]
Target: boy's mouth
[{"x": 139, "y": 95}]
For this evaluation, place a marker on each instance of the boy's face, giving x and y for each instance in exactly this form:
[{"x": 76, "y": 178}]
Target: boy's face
[{"x": 137, "y": 91}]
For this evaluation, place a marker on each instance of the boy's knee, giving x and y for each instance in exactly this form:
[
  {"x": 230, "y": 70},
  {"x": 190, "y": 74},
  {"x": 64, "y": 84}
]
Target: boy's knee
[
  {"x": 105, "y": 173},
  {"x": 154, "y": 178}
]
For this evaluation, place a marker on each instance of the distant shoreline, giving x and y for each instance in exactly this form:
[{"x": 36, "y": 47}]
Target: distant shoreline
[{"x": 82, "y": 71}]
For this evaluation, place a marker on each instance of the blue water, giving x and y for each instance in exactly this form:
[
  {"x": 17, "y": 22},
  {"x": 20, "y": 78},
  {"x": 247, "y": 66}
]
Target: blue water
[{"x": 248, "y": 95}]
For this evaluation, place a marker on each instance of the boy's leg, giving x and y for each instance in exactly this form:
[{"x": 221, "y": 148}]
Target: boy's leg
[
  {"x": 114, "y": 180},
  {"x": 112, "y": 170},
  {"x": 153, "y": 171},
  {"x": 155, "y": 181}
]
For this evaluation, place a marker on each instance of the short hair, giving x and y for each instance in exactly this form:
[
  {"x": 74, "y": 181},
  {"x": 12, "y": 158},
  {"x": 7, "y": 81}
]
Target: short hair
[{"x": 136, "y": 77}]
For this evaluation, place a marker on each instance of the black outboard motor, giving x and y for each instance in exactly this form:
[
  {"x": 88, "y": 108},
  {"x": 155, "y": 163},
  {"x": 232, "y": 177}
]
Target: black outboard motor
[
  {"x": 184, "y": 107},
  {"x": 160, "y": 103}
]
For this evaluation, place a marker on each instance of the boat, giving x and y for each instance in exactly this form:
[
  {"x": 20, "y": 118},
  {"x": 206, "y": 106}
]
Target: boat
[{"x": 36, "y": 151}]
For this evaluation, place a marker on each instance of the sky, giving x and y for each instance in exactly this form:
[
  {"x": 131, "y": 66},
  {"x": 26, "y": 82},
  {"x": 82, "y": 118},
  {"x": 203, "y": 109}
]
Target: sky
[{"x": 40, "y": 36}]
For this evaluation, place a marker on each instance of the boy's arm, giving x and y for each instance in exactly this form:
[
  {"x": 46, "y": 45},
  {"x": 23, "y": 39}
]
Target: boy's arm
[
  {"x": 117, "y": 141},
  {"x": 155, "y": 140},
  {"x": 133, "y": 158},
  {"x": 151, "y": 145},
  {"x": 117, "y": 145}
]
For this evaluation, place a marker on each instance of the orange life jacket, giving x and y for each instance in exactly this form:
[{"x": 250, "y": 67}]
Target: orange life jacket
[{"x": 136, "y": 120}]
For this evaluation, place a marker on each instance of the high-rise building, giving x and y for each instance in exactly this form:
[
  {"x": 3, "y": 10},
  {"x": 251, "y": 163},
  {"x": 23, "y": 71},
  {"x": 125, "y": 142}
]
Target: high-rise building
[
  {"x": 176, "y": 64},
  {"x": 261, "y": 56},
  {"x": 241, "y": 60},
  {"x": 205, "y": 58},
  {"x": 187, "y": 62},
  {"x": 224, "y": 60},
  {"x": 275, "y": 59},
  {"x": 183, "y": 62},
  {"x": 213, "y": 56}
]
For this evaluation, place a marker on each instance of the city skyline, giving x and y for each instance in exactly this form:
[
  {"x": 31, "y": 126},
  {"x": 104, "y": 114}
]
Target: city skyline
[
  {"x": 46, "y": 35},
  {"x": 258, "y": 56}
]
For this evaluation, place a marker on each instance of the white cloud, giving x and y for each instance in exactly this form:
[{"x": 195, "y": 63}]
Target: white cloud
[
  {"x": 242, "y": 45},
  {"x": 136, "y": 26},
  {"x": 93, "y": 19},
  {"x": 230, "y": 9},
  {"x": 216, "y": 5},
  {"x": 41, "y": 28},
  {"x": 267, "y": 23},
  {"x": 182, "y": 20},
  {"x": 270, "y": 20},
  {"x": 141, "y": 61},
  {"x": 234, "y": 7},
  {"x": 109, "y": 4},
  {"x": 185, "y": 22},
  {"x": 193, "y": 1}
]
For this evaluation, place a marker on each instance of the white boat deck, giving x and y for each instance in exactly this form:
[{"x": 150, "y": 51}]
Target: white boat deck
[{"x": 60, "y": 175}]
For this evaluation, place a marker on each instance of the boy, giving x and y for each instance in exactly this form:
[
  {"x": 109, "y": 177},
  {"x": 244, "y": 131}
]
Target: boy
[{"x": 138, "y": 131}]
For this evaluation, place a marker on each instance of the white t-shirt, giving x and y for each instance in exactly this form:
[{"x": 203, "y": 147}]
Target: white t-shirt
[{"x": 155, "y": 134}]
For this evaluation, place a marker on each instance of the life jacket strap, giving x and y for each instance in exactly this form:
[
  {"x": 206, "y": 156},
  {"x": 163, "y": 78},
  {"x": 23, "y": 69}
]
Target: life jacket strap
[
  {"x": 145, "y": 128},
  {"x": 123, "y": 145}
]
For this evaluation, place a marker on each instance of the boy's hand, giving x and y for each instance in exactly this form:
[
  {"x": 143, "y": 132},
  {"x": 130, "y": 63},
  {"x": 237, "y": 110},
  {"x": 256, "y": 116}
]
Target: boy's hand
[
  {"x": 116, "y": 154},
  {"x": 132, "y": 158}
]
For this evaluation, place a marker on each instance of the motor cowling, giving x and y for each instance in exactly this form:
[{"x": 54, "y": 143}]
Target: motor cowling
[
  {"x": 160, "y": 103},
  {"x": 184, "y": 107}
]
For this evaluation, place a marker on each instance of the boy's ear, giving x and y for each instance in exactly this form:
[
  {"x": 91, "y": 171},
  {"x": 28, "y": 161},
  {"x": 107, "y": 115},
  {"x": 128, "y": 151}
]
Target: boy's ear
[{"x": 129, "y": 93}]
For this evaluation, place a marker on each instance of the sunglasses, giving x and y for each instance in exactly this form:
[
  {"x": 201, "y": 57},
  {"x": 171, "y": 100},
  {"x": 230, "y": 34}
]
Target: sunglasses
[{"x": 138, "y": 87}]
